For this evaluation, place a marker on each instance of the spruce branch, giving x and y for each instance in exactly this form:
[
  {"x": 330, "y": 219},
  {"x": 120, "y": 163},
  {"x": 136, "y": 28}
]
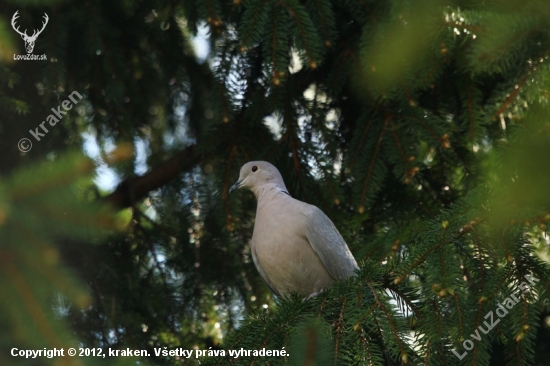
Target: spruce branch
[
  {"x": 131, "y": 190},
  {"x": 371, "y": 167},
  {"x": 515, "y": 92},
  {"x": 23, "y": 289}
]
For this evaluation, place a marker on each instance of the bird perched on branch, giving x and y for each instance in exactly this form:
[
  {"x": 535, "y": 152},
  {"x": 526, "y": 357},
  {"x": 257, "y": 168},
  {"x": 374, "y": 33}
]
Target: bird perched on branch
[{"x": 295, "y": 246}]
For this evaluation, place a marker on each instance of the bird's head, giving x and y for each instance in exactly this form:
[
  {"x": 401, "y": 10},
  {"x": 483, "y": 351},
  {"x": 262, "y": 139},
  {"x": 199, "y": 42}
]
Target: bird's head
[{"x": 255, "y": 174}]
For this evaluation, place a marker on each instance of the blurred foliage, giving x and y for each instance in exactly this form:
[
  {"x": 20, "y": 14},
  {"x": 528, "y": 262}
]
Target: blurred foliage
[
  {"x": 37, "y": 288},
  {"x": 421, "y": 128}
]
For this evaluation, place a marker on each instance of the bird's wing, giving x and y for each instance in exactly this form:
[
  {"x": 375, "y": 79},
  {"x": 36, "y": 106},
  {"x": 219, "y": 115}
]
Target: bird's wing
[
  {"x": 262, "y": 273},
  {"x": 329, "y": 245}
]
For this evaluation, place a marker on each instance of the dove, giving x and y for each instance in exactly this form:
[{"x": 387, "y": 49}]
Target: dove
[{"x": 295, "y": 246}]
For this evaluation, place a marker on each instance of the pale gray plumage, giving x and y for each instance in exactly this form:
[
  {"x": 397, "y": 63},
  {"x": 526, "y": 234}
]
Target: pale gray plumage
[{"x": 295, "y": 246}]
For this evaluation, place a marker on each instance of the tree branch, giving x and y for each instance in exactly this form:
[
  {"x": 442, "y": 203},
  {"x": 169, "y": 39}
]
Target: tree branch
[{"x": 133, "y": 189}]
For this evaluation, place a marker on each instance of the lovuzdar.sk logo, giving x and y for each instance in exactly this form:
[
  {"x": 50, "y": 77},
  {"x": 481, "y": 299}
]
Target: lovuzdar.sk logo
[{"x": 29, "y": 40}]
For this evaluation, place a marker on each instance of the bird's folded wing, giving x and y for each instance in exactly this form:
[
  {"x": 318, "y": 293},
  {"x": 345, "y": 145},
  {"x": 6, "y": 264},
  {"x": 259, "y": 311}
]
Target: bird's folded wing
[
  {"x": 262, "y": 273},
  {"x": 329, "y": 245}
]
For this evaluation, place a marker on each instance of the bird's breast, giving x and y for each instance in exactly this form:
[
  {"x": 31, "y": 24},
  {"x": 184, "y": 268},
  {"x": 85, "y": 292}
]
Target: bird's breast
[{"x": 285, "y": 255}]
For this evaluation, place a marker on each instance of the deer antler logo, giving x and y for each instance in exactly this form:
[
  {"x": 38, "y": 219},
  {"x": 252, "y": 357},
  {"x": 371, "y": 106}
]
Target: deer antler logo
[{"x": 29, "y": 40}]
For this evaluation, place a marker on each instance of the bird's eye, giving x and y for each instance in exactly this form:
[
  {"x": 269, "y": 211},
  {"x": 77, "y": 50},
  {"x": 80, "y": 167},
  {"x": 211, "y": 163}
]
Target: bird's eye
[{"x": 254, "y": 168}]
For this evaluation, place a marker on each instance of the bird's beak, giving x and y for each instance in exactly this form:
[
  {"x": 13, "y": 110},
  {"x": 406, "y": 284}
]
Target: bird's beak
[{"x": 235, "y": 186}]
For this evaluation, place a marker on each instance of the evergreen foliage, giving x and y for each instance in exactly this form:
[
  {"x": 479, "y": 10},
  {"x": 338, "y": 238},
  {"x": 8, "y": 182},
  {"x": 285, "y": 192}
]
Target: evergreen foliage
[{"x": 420, "y": 127}]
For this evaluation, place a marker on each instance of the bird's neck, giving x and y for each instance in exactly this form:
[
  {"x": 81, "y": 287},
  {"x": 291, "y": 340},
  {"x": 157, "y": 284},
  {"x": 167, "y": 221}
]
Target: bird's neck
[{"x": 269, "y": 191}]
